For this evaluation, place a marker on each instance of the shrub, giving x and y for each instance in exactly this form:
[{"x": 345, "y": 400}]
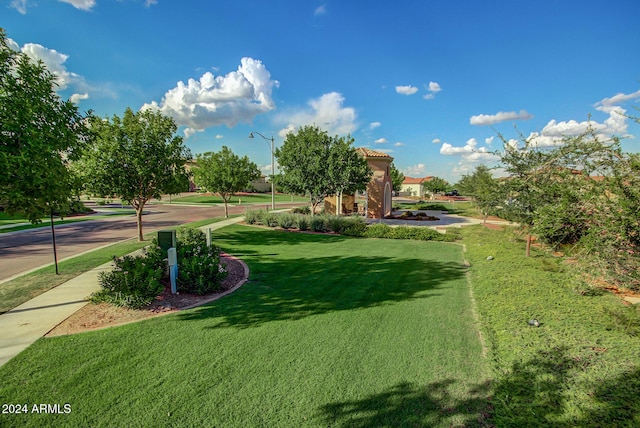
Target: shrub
[
  {"x": 378, "y": 230},
  {"x": 406, "y": 214},
  {"x": 335, "y": 223},
  {"x": 286, "y": 220},
  {"x": 303, "y": 222},
  {"x": 253, "y": 216},
  {"x": 268, "y": 218},
  {"x": 133, "y": 283},
  {"x": 355, "y": 228},
  {"x": 318, "y": 223},
  {"x": 199, "y": 269},
  {"x": 302, "y": 210}
]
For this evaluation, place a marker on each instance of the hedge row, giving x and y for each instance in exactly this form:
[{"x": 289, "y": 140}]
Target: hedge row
[{"x": 349, "y": 226}]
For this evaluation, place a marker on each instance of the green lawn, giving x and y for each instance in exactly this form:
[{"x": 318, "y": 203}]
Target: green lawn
[
  {"x": 255, "y": 198},
  {"x": 330, "y": 331},
  {"x": 580, "y": 367}
]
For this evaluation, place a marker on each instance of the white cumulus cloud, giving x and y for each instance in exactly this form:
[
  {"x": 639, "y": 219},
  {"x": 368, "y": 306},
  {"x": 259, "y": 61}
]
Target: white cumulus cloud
[
  {"x": 414, "y": 170},
  {"x": 381, "y": 141},
  {"x": 81, "y": 4},
  {"x": 374, "y": 125},
  {"x": 399, "y": 144},
  {"x": 76, "y": 98},
  {"x": 54, "y": 61},
  {"x": 327, "y": 112},
  {"x": 470, "y": 152},
  {"x": 406, "y": 90},
  {"x": 434, "y": 87},
  {"x": 490, "y": 119},
  {"x": 436, "y": 141},
  {"x": 237, "y": 97}
]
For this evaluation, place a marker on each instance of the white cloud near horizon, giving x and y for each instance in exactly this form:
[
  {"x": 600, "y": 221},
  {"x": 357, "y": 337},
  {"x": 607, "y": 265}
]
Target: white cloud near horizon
[
  {"x": 502, "y": 116},
  {"x": 470, "y": 152},
  {"x": 327, "y": 112},
  {"x": 414, "y": 170},
  {"x": 406, "y": 90},
  {"x": 237, "y": 97}
]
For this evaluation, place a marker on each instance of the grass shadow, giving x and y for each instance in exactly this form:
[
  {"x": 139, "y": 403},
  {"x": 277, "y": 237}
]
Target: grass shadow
[
  {"x": 540, "y": 392},
  {"x": 289, "y": 289},
  {"x": 410, "y": 405}
]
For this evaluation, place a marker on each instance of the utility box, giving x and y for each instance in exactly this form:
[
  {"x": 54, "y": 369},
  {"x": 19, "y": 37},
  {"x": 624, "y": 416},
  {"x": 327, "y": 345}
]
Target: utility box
[{"x": 166, "y": 240}]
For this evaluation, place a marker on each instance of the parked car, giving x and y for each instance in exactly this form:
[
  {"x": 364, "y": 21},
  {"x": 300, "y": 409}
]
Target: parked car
[{"x": 452, "y": 193}]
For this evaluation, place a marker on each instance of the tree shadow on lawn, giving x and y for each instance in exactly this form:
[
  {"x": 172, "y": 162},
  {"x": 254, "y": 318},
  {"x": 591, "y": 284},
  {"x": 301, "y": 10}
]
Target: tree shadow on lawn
[
  {"x": 544, "y": 392},
  {"x": 411, "y": 405},
  {"x": 291, "y": 289}
]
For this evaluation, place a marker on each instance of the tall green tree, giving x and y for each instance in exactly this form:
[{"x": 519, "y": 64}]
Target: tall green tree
[
  {"x": 318, "y": 165},
  {"x": 39, "y": 135},
  {"x": 397, "y": 177},
  {"x": 436, "y": 185},
  {"x": 137, "y": 157},
  {"x": 225, "y": 173},
  {"x": 486, "y": 191}
]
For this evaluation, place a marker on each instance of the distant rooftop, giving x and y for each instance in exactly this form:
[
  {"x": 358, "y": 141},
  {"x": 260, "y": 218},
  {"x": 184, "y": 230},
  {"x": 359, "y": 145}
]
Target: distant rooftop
[
  {"x": 368, "y": 153},
  {"x": 411, "y": 180}
]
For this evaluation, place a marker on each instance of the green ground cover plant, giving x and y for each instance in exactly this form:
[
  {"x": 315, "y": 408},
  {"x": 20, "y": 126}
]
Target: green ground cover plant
[
  {"x": 580, "y": 366},
  {"x": 329, "y": 331}
]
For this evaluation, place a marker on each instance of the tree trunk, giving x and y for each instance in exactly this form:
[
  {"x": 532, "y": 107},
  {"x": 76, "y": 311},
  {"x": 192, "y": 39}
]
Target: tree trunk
[
  {"x": 528, "y": 252},
  {"x": 226, "y": 209},
  {"x": 139, "y": 207}
]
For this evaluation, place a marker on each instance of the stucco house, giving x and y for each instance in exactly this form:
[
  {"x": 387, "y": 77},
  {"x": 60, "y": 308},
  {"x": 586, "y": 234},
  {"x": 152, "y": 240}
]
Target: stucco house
[
  {"x": 378, "y": 201},
  {"x": 414, "y": 186}
]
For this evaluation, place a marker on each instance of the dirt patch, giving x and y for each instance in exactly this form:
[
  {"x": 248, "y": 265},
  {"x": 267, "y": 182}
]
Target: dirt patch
[{"x": 96, "y": 316}]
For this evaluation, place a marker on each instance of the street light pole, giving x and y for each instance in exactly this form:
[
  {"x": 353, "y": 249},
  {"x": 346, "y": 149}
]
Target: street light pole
[{"x": 273, "y": 169}]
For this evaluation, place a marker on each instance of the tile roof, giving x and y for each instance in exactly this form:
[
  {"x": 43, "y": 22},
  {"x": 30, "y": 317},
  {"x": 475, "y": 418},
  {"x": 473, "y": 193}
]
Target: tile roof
[
  {"x": 368, "y": 153},
  {"x": 411, "y": 180}
]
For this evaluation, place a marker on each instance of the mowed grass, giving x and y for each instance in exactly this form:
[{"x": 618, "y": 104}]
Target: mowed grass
[
  {"x": 254, "y": 198},
  {"x": 329, "y": 331},
  {"x": 580, "y": 367}
]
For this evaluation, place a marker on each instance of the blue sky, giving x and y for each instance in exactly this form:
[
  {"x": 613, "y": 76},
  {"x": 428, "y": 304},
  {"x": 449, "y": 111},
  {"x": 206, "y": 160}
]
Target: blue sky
[{"x": 430, "y": 82}]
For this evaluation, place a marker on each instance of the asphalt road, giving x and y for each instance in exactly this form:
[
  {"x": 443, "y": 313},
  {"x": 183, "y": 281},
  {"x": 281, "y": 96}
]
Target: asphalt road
[{"x": 28, "y": 249}]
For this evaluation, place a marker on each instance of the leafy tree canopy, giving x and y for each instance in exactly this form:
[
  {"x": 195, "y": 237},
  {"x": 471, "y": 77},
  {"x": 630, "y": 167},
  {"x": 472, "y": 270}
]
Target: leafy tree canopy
[
  {"x": 137, "y": 157},
  {"x": 436, "y": 185},
  {"x": 397, "y": 178},
  {"x": 39, "y": 135},
  {"x": 317, "y": 165},
  {"x": 225, "y": 173}
]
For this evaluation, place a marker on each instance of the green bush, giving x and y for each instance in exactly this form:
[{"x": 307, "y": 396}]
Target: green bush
[
  {"x": 302, "y": 210},
  {"x": 378, "y": 230},
  {"x": 318, "y": 223},
  {"x": 303, "y": 222},
  {"x": 253, "y": 216},
  {"x": 199, "y": 269},
  {"x": 268, "y": 218},
  {"x": 355, "y": 228},
  {"x": 286, "y": 220},
  {"x": 134, "y": 283}
]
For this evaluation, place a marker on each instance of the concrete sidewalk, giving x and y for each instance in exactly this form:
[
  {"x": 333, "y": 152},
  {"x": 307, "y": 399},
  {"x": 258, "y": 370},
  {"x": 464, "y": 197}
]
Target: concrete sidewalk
[{"x": 25, "y": 324}]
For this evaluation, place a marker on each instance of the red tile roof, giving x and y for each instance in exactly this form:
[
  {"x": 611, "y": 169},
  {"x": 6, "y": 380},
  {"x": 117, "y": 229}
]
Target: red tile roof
[{"x": 411, "y": 180}]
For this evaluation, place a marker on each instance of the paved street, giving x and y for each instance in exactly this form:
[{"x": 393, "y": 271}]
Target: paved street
[{"x": 25, "y": 250}]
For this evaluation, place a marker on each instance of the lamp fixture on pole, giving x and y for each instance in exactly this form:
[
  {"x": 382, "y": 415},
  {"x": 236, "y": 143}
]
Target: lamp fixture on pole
[{"x": 273, "y": 170}]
